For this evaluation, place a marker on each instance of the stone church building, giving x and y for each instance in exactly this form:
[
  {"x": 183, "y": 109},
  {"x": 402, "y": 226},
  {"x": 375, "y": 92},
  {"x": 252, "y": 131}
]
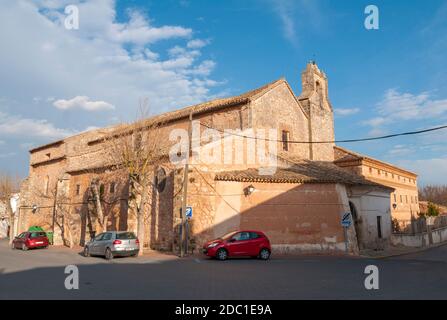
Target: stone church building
[{"x": 298, "y": 204}]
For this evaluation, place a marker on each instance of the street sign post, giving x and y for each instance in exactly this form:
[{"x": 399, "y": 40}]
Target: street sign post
[{"x": 346, "y": 222}]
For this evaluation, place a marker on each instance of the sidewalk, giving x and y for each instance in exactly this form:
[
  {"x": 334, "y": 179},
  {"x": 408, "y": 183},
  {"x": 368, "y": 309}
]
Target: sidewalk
[{"x": 393, "y": 251}]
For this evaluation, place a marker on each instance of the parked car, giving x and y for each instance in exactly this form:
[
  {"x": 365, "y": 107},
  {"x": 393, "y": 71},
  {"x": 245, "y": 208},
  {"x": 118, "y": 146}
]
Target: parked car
[
  {"x": 30, "y": 240},
  {"x": 111, "y": 244},
  {"x": 239, "y": 243}
]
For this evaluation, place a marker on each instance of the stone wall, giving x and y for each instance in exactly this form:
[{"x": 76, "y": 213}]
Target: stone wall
[
  {"x": 278, "y": 109},
  {"x": 295, "y": 217}
]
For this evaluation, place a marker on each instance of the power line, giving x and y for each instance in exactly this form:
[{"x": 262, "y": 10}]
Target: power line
[{"x": 333, "y": 141}]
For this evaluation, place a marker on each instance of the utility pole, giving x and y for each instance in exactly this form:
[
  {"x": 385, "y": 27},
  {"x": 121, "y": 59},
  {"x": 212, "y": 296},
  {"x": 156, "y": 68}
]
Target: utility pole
[{"x": 185, "y": 190}]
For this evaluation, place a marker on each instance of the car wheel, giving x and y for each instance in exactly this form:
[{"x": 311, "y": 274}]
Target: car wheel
[
  {"x": 264, "y": 254},
  {"x": 24, "y": 247},
  {"x": 86, "y": 252},
  {"x": 222, "y": 254},
  {"x": 109, "y": 254}
]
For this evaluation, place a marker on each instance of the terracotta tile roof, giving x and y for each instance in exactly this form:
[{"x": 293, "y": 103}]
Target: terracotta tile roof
[
  {"x": 348, "y": 155},
  {"x": 200, "y": 108},
  {"x": 302, "y": 171},
  {"x": 214, "y": 104}
]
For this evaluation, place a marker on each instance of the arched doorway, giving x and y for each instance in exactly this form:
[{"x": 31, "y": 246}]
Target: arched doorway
[{"x": 357, "y": 221}]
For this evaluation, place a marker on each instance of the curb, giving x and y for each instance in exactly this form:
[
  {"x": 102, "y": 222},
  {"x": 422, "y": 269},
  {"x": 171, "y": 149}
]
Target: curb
[{"x": 406, "y": 253}]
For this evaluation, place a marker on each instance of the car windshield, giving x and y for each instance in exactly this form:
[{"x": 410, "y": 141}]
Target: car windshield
[
  {"x": 125, "y": 235},
  {"x": 228, "y": 235}
]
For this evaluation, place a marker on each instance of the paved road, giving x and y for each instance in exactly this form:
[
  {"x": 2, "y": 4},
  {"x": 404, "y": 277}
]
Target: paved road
[{"x": 40, "y": 274}]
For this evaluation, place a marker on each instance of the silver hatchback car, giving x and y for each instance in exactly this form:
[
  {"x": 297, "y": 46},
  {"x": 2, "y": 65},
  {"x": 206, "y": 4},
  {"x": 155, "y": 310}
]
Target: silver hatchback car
[{"x": 113, "y": 243}]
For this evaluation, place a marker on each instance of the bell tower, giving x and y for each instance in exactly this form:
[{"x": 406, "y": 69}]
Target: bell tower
[{"x": 315, "y": 101}]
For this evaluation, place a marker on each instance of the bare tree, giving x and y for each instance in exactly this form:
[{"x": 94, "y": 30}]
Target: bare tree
[
  {"x": 102, "y": 219},
  {"x": 139, "y": 148},
  {"x": 61, "y": 215},
  {"x": 434, "y": 193},
  {"x": 8, "y": 186}
]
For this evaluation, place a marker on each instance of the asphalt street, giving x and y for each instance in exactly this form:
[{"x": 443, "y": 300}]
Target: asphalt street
[{"x": 39, "y": 274}]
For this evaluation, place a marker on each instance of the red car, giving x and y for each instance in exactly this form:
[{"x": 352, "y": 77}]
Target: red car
[
  {"x": 30, "y": 240},
  {"x": 248, "y": 243}
]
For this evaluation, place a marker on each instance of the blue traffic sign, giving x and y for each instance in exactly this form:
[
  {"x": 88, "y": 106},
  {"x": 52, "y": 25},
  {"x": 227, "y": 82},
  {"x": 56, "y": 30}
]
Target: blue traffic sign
[
  {"x": 189, "y": 212},
  {"x": 346, "y": 221}
]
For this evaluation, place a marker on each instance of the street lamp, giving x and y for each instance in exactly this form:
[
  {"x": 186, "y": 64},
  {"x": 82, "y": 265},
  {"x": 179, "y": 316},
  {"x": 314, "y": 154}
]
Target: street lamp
[{"x": 249, "y": 190}]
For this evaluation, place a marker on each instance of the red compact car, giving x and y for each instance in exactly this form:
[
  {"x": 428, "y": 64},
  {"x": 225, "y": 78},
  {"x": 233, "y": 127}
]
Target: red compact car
[
  {"x": 248, "y": 243},
  {"x": 30, "y": 240}
]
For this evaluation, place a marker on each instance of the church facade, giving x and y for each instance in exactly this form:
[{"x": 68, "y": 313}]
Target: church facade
[{"x": 297, "y": 196}]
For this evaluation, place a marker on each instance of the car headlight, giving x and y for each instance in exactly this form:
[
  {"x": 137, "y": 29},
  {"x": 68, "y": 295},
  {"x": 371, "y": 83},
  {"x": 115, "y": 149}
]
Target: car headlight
[{"x": 213, "y": 245}]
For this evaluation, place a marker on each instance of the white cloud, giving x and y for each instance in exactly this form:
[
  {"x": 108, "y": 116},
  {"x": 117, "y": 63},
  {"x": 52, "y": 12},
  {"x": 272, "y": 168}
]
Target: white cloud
[
  {"x": 139, "y": 31},
  {"x": 397, "y": 107},
  {"x": 376, "y": 122},
  {"x": 298, "y": 16},
  {"x": 430, "y": 171},
  {"x": 26, "y": 145},
  {"x": 283, "y": 9},
  {"x": 346, "y": 111},
  {"x": 82, "y": 102},
  {"x": 401, "y": 150},
  {"x": 113, "y": 61},
  {"x": 196, "y": 44},
  {"x": 7, "y": 155},
  {"x": 25, "y": 127},
  {"x": 109, "y": 60}
]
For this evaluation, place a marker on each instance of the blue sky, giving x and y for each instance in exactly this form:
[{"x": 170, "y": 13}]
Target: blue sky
[{"x": 56, "y": 82}]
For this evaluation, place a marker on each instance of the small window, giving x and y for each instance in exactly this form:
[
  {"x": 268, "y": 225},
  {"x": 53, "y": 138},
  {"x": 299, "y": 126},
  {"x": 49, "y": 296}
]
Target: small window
[
  {"x": 401, "y": 199},
  {"x": 285, "y": 140},
  {"x": 48, "y": 155},
  {"x": 47, "y": 185},
  {"x": 392, "y": 175},
  {"x": 395, "y": 198},
  {"x": 406, "y": 199},
  {"x": 379, "y": 227},
  {"x": 160, "y": 180},
  {"x": 370, "y": 170},
  {"x": 78, "y": 189},
  {"x": 378, "y": 172},
  {"x": 101, "y": 189},
  {"x": 112, "y": 187}
]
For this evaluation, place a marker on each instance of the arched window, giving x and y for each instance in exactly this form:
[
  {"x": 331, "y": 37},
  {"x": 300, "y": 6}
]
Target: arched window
[
  {"x": 160, "y": 180},
  {"x": 353, "y": 211}
]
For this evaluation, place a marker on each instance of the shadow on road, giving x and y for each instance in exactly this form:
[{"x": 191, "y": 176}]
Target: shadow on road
[{"x": 301, "y": 278}]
